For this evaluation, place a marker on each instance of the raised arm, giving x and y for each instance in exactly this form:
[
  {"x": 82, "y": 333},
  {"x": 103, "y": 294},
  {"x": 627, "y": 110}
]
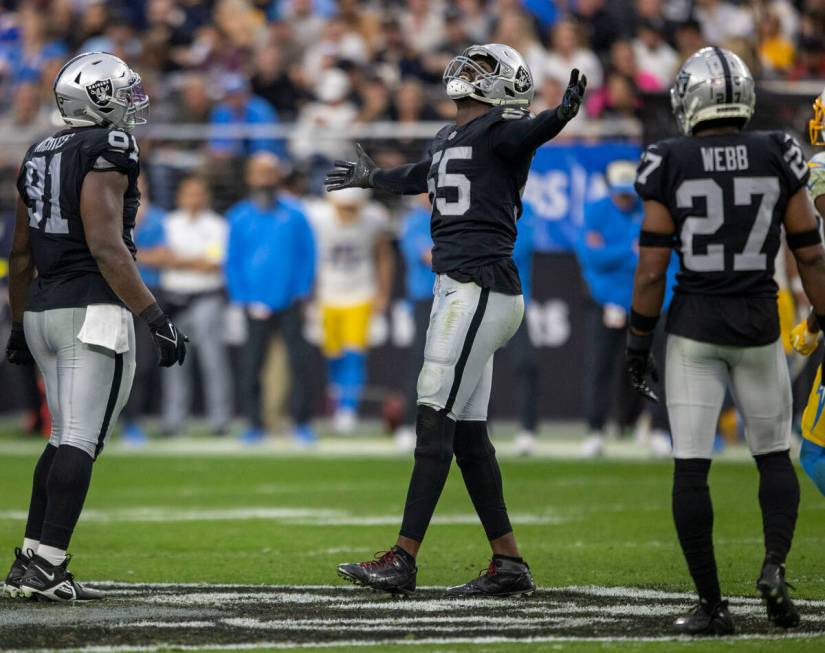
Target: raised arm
[
  {"x": 408, "y": 179},
  {"x": 101, "y": 210},
  {"x": 517, "y": 138}
]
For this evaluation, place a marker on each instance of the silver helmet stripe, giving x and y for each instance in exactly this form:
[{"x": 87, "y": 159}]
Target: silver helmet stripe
[{"x": 726, "y": 71}]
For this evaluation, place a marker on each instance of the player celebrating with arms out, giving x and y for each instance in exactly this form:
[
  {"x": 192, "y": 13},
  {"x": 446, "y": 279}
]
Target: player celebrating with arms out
[
  {"x": 474, "y": 173},
  {"x": 75, "y": 218},
  {"x": 721, "y": 196}
]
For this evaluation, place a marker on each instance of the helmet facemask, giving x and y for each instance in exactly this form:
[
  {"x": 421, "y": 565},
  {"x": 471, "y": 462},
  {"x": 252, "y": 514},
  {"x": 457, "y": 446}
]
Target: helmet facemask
[
  {"x": 466, "y": 75},
  {"x": 493, "y": 73},
  {"x": 135, "y": 102}
]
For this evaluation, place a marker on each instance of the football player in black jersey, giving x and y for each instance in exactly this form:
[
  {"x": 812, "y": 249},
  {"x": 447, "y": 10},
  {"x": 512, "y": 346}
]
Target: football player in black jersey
[
  {"x": 73, "y": 283},
  {"x": 474, "y": 172},
  {"x": 721, "y": 197}
]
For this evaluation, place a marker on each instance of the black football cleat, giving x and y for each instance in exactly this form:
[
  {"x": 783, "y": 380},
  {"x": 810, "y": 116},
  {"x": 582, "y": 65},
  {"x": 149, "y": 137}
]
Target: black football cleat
[
  {"x": 704, "y": 620},
  {"x": 501, "y": 578},
  {"x": 11, "y": 587},
  {"x": 391, "y": 572},
  {"x": 46, "y": 581},
  {"x": 771, "y": 584}
]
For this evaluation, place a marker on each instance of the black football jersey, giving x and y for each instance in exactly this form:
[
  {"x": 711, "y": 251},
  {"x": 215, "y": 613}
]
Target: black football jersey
[
  {"x": 727, "y": 195},
  {"x": 49, "y": 183},
  {"x": 476, "y": 198}
]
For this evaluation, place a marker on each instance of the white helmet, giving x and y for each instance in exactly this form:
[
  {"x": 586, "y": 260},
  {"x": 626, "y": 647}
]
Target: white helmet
[
  {"x": 97, "y": 88},
  {"x": 713, "y": 84},
  {"x": 508, "y": 82}
]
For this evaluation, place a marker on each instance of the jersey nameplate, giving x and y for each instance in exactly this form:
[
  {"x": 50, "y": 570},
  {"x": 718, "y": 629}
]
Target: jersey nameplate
[{"x": 725, "y": 159}]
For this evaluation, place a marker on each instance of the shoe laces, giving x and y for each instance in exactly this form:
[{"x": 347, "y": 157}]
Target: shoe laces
[
  {"x": 381, "y": 558},
  {"x": 491, "y": 570}
]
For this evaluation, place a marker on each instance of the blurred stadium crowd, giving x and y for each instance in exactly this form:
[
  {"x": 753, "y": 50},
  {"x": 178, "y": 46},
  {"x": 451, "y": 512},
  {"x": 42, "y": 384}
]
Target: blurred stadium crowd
[{"x": 314, "y": 66}]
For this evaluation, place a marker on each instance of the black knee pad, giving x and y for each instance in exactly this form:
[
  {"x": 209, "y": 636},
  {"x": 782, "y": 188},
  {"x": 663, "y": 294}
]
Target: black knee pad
[
  {"x": 434, "y": 434},
  {"x": 472, "y": 443}
]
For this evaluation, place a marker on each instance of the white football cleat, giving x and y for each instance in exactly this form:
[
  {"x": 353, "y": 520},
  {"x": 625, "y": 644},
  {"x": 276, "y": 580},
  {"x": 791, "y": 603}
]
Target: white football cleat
[
  {"x": 405, "y": 439},
  {"x": 344, "y": 421}
]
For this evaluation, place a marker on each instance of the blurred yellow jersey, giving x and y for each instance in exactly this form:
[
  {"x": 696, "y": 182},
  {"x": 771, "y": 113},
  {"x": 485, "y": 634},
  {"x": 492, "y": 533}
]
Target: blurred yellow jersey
[{"x": 813, "y": 419}]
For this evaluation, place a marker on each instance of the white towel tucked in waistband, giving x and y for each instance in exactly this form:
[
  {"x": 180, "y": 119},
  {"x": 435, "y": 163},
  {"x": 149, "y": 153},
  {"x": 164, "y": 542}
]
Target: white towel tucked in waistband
[{"x": 106, "y": 325}]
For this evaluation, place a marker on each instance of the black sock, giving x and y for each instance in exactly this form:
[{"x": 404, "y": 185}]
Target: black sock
[
  {"x": 476, "y": 457},
  {"x": 409, "y": 557},
  {"x": 433, "y": 457},
  {"x": 693, "y": 515},
  {"x": 779, "y": 500},
  {"x": 67, "y": 485},
  {"x": 498, "y": 556},
  {"x": 37, "y": 505}
]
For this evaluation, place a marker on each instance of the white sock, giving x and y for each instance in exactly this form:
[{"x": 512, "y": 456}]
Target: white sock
[
  {"x": 51, "y": 555},
  {"x": 29, "y": 547}
]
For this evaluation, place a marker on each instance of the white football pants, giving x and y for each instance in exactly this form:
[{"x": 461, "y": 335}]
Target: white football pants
[{"x": 467, "y": 325}]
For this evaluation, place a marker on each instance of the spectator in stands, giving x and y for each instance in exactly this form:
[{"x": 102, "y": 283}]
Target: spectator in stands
[
  {"x": 397, "y": 60},
  {"x": 28, "y": 114},
  {"x": 240, "y": 107},
  {"x": 653, "y": 54},
  {"x": 618, "y": 98},
  {"x": 196, "y": 103},
  {"x": 623, "y": 61},
  {"x": 776, "y": 52},
  {"x": 270, "y": 268},
  {"x": 810, "y": 60},
  {"x": 192, "y": 286},
  {"x": 600, "y": 28},
  {"x": 416, "y": 245},
  {"x": 339, "y": 42},
  {"x": 150, "y": 239},
  {"x": 305, "y": 25},
  {"x": 477, "y": 21},
  {"x": 721, "y": 20},
  {"x": 522, "y": 352},
  {"x": 274, "y": 81},
  {"x": 689, "y": 39},
  {"x": 607, "y": 253},
  {"x": 422, "y": 23},
  {"x": 570, "y": 52},
  {"x": 331, "y": 111},
  {"x": 455, "y": 40},
  {"x": 354, "y": 278}
]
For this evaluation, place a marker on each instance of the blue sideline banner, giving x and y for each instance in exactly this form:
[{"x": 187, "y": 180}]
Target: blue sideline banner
[{"x": 562, "y": 180}]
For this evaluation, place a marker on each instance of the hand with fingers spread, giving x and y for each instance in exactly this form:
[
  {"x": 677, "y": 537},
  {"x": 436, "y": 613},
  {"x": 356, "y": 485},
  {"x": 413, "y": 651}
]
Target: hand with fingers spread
[
  {"x": 351, "y": 174},
  {"x": 573, "y": 96}
]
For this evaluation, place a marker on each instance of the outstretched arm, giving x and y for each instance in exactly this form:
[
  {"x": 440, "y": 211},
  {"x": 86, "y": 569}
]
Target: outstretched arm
[
  {"x": 522, "y": 137},
  {"x": 408, "y": 179}
]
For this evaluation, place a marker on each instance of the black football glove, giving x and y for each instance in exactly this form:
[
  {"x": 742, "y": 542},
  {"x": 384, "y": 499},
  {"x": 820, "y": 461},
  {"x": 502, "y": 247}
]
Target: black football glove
[
  {"x": 17, "y": 351},
  {"x": 169, "y": 342},
  {"x": 573, "y": 96},
  {"x": 641, "y": 366},
  {"x": 351, "y": 174}
]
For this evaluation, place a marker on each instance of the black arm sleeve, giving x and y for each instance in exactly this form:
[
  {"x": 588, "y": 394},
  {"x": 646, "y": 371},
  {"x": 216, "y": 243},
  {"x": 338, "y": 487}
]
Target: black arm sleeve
[
  {"x": 517, "y": 138},
  {"x": 410, "y": 179}
]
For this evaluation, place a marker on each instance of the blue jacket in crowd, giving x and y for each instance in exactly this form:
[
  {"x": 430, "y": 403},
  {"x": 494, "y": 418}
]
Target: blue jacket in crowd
[
  {"x": 150, "y": 232},
  {"x": 270, "y": 258},
  {"x": 256, "y": 111},
  {"x": 523, "y": 254},
  {"x": 608, "y": 252},
  {"x": 414, "y": 241}
]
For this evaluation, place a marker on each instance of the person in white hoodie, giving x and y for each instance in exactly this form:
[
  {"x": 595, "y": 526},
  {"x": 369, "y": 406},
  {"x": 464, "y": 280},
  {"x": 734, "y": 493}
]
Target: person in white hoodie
[{"x": 193, "y": 290}]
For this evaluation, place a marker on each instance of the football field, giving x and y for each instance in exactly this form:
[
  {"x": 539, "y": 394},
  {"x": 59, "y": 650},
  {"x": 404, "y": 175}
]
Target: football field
[{"x": 206, "y": 545}]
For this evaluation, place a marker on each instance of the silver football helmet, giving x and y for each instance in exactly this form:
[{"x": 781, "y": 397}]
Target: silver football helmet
[
  {"x": 712, "y": 84},
  {"x": 97, "y": 88},
  {"x": 507, "y": 82}
]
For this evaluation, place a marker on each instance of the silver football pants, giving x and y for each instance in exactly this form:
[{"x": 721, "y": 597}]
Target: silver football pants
[
  {"x": 697, "y": 375},
  {"x": 86, "y": 386},
  {"x": 467, "y": 325}
]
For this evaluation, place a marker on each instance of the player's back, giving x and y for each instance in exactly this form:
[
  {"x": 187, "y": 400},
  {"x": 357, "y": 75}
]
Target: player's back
[
  {"x": 50, "y": 182},
  {"x": 727, "y": 194}
]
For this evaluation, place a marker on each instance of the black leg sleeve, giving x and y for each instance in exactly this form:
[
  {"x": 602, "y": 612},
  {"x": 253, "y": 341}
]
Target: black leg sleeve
[
  {"x": 433, "y": 457},
  {"x": 476, "y": 457},
  {"x": 779, "y": 500},
  {"x": 68, "y": 483},
  {"x": 37, "y": 505},
  {"x": 693, "y": 515}
]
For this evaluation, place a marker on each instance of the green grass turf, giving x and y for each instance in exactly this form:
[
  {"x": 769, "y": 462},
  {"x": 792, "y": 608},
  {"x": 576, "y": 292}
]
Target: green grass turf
[{"x": 615, "y": 527}]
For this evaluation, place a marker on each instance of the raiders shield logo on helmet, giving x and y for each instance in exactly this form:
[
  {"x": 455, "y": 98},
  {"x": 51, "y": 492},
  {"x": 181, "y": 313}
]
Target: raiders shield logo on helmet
[
  {"x": 100, "y": 92},
  {"x": 523, "y": 80}
]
